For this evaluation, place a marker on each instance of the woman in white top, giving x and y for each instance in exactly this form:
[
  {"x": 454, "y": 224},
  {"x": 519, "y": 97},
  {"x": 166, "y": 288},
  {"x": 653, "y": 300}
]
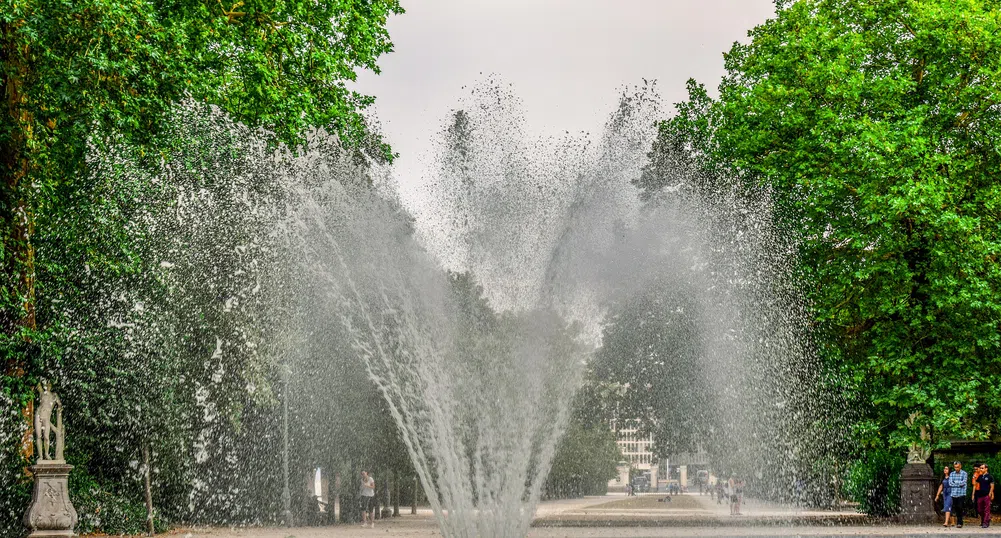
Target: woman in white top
[{"x": 366, "y": 495}]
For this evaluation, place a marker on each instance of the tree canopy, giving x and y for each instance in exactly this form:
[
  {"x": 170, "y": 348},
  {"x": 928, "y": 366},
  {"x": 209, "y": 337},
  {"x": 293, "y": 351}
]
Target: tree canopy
[
  {"x": 85, "y": 297},
  {"x": 71, "y": 71},
  {"x": 874, "y": 125}
]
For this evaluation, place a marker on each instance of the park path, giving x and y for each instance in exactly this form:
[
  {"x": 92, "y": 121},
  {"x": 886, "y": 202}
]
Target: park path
[
  {"x": 756, "y": 508},
  {"x": 692, "y": 517}
]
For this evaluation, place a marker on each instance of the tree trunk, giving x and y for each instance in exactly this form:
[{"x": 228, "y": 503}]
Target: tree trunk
[
  {"x": 396, "y": 494},
  {"x": 386, "y": 495},
  {"x": 149, "y": 491},
  {"x": 413, "y": 498},
  {"x": 28, "y": 440},
  {"x": 17, "y": 225},
  {"x": 337, "y": 511},
  {"x": 14, "y": 168}
]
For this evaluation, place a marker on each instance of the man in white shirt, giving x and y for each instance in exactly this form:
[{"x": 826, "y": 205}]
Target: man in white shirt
[{"x": 367, "y": 496}]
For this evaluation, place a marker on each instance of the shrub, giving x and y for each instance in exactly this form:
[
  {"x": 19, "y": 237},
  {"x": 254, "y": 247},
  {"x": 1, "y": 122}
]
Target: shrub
[{"x": 874, "y": 482}]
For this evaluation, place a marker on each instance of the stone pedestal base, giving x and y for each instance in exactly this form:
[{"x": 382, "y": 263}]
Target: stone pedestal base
[
  {"x": 51, "y": 514},
  {"x": 917, "y": 494}
]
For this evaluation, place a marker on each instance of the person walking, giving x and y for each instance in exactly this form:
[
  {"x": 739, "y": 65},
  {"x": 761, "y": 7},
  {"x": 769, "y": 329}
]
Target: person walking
[
  {"x": 973, "y": 482},
  {"x": 728, "y": 494},
  {"x": 740, "y": 495},
  {"x": 957, "y": 486},
  {"x": 366, "y": 495},
  {"x": 734, "y": 497},
  {"x": 719, "y": 491},
  {"x": 945, "y": 492},
  {"x": 983, "y": 494}
]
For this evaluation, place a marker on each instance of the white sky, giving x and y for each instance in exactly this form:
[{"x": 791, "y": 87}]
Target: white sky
[{"x": 567, "y": 59}]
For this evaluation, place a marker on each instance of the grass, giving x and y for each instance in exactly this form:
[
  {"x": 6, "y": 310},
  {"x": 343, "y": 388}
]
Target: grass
[{"x": 651, "y": 502}]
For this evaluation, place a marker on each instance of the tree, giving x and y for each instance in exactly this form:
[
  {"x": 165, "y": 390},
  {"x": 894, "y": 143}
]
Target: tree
[
  {"x": 651, "y": 349},
  {"x": 874, "y": 126},
  {"x": 95, "y": 76},
  {"x": 586, "y": 458},
  {"x": 69, "y": 71}
]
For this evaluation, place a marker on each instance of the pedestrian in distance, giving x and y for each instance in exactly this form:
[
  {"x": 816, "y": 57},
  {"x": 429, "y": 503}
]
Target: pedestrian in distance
[
  {"x": 945, "y": 492},
  {"x": 973, "y": 482},
  {"x": 734, "y": 487},
  {"x": 983, "y": 494},
  {"x": 957, "y": 485},
  {"x": 366, "y": 495}
]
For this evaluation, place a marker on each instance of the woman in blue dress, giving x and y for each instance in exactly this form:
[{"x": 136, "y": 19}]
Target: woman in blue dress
[{"x": 945, "y": 492}]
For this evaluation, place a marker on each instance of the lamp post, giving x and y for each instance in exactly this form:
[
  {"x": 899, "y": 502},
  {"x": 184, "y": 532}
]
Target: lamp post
[{"x": 286, "y": 493}]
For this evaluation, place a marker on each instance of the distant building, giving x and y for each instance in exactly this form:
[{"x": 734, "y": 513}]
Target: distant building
[
  {"x": 635, "y": 448},
  {"x": 637, "y": 453}
]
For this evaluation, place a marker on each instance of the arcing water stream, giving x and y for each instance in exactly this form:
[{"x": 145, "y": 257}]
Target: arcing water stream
[{"x": 554, "y": 234}]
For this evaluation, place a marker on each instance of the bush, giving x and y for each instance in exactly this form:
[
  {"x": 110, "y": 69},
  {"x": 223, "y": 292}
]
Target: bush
[
  {"x": 874, "y": 482},
  {"x": 16, "y": 495},
  {"x": 103, "y": 511},
  {"x": 584, "y": 463}
]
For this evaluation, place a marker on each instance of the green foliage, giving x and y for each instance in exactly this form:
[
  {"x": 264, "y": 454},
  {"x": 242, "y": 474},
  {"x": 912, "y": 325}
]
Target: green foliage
[
  {"x": 90, "y": 78},
  {"x": 121, "y": 66},
  {"x": 16, "y": 493},
  {"x": 651, "y": 352},
  {"x": 178, "y": 351},
  {"x": 874, "y": 482},
  {"x": 874, "y": 127},
  {"x": 586, "y": 458},
  {"x": 103, "y": 511}
]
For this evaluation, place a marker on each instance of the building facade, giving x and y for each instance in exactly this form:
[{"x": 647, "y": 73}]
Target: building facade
[{"x": 637, "y": 454}]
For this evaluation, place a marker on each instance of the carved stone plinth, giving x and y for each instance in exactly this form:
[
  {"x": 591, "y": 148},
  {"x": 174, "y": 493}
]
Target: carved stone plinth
[
  {"x": 51, "y": 514},
  {"x": 917, "y": 494}
]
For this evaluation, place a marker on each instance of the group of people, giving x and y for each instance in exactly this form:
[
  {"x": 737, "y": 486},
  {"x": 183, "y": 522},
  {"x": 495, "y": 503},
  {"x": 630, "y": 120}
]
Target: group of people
[
  {"x": 732, "y": 491},
  {"x": 954, "y": 490}
]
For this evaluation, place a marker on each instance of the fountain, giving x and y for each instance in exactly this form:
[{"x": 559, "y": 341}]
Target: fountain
[
  {"x": 554, "y": 233},
  {"x": 476, "y": 313}
]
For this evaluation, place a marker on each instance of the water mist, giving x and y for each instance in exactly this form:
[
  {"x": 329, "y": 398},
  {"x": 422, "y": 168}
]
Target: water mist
[{"x": 477, "y": 311}]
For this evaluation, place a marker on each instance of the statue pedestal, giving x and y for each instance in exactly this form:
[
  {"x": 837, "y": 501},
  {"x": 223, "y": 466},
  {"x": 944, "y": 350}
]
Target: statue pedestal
[
  {"x": 917, "y": 494},
  {"x": 51, "y": 514}
]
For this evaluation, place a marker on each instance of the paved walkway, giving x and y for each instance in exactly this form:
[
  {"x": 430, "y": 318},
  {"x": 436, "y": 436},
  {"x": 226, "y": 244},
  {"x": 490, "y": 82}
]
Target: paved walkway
[
  {"x": 404, "y": 528},
  {"x": 615, "y": 516},
  {"x": 652, "y": 510}
]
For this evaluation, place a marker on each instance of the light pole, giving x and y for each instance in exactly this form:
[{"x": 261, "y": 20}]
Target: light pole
[{"x": 286, "y": 494}]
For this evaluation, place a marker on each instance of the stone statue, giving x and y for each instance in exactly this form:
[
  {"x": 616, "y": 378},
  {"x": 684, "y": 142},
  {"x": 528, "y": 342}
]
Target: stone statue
[
  {"x": 917, "y": 480},
  {"x": 920, "y": 450},
  {"x": 51, "y": 513},
  {"x": 47, "y": 402}
]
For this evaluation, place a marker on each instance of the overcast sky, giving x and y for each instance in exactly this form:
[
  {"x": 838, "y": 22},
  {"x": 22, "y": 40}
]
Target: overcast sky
[{"x": 567, "y": 59}]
